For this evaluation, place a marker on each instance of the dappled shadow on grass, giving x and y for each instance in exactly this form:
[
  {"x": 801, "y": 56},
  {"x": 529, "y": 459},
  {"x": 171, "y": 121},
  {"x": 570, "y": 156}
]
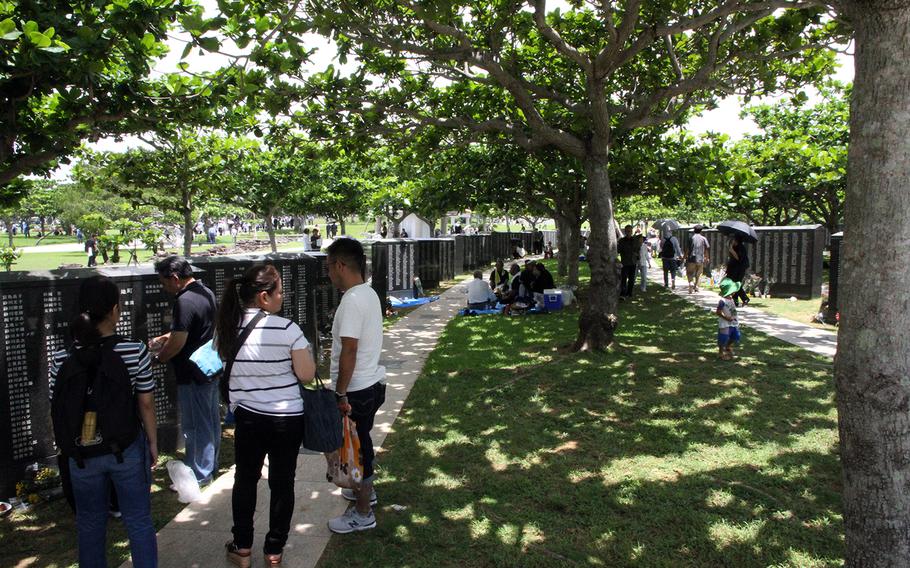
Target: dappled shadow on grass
[{"x": 510, "y": 452}]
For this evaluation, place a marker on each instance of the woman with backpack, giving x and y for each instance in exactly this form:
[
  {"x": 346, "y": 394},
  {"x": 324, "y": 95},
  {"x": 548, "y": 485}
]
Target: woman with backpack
[
  {"x": 267, "y": 356},
  {"x": 103, "y": 410}
]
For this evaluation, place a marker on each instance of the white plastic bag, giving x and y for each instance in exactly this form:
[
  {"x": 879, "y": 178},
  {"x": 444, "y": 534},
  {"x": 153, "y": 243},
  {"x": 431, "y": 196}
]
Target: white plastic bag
[{"x": 184, "y": 481}]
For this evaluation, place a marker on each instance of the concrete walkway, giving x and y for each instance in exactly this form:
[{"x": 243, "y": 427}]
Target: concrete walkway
[
  {"x": 196, "y": 536},
  {"x": 819, "y": 341}
]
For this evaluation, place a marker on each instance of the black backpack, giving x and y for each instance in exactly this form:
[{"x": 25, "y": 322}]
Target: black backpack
[
  {"x": 94, "y": 378},
  {"x": 667, "y": 250}
]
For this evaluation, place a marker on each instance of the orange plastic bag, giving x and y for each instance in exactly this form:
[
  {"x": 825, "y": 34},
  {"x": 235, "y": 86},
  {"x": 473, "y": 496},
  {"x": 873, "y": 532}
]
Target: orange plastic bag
[{"x": 344, "y": 467}]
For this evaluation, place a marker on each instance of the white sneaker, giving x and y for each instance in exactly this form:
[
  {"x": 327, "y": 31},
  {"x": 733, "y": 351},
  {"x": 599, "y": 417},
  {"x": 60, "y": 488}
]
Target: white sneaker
[
  {"x": 349, "y": 495},
  {"x": 352, "y": 521}
]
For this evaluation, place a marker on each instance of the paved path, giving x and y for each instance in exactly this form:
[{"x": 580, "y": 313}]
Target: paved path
[
  {"x": 819, "y": 341},
  {"x": 196, "y": 536}
]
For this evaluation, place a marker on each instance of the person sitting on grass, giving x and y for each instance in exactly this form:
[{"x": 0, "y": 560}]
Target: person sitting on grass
[
  {"x": 499, "y": 278},
  {"x": 480, "y": 296},
  {"x": 727, "y": 322}
]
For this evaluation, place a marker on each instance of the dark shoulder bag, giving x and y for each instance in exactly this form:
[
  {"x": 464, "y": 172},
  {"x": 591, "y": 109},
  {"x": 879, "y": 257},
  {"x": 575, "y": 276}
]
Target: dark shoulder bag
[
  {"x": 321, "y": 418},
  {"x": 224, "y": 385}
]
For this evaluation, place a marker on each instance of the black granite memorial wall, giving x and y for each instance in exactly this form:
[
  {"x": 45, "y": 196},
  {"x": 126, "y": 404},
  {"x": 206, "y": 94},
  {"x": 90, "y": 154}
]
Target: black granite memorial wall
[
  {"x": 791, "y": 257},
  {"x": 298, "y": 280},
  {"x": 459, "y": 258},
  {"x": 435, "y": 261},
  {"x": 325, "y": 295},
  {"x": 393, "y": 264},
  {"x": 37, "y": 308},
  {"x": 834, "y": 274}
]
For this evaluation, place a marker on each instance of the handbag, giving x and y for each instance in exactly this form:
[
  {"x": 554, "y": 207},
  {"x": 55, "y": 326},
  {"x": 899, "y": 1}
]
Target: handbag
[
  {"x": 207, "y": 359},
  {"x": 344, "y": 467},
  {"x": 322, "y": 429},
  {"x": 224, "y": 385}
]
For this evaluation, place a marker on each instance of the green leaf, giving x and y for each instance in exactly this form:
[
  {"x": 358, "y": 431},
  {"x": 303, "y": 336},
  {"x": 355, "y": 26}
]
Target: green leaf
[
  {"x": 7, "y": 26},
  {"x": 186, "y": 51},
  {"x": 148, "y": 41},
  {"x": 209, "y": 43},
  {"x": 39, "y": 39},
  {"x": 30, "y": 26}
]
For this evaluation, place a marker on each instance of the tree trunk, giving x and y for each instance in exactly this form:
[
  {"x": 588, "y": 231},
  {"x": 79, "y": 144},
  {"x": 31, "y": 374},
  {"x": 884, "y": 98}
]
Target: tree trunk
[
  {"x": 270, "y": 230},
  {"x": 344, "y": 228},
  {"x": 573, "y": 242},
  {"x": 188, "y": 226},
  {"x": 872, "y": 368},
  {"x": 9, "y": 231},
  {"x": 444, "y": 225},
  {"x": 598, "y": 318},
  {"x": 562, "y": 244}
]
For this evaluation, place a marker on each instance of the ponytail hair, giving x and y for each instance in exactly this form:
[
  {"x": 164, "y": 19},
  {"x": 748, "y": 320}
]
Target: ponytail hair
[
  {"x": 241, "y": 293},
  {"x": 98, "y": 295}
]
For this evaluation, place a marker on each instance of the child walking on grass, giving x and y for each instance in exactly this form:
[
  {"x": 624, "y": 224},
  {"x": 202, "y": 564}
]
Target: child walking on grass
[{"x": 727, "y": 323}]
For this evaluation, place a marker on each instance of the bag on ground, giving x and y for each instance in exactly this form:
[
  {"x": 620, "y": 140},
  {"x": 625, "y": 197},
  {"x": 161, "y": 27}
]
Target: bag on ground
[
  {"x": 93, "y": 408},
  {"x": 322, "y": 430},
  {"x": 184, "y": 481},
  {"x": 344, "y": 466}
]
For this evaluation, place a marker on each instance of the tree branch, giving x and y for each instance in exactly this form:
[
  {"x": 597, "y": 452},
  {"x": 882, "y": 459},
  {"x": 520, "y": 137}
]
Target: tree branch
[{"x": 540, "y": 19}]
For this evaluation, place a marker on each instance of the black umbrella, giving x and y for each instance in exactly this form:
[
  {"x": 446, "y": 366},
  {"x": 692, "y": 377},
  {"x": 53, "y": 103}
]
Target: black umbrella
[
  {"x": 665, "y": 225},
  {"x": 738, "y": 228}
]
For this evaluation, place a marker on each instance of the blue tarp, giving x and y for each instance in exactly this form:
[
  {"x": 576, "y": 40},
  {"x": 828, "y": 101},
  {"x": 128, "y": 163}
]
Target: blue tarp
[{"x": 398, "y": 303}]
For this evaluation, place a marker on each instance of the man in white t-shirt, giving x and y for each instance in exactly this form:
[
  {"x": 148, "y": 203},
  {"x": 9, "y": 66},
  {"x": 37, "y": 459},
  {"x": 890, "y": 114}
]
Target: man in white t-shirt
[
  {"x": 355, "y": 371},
  {"x": 697, "y": 255},
  {"x": 480, "y": 296}
]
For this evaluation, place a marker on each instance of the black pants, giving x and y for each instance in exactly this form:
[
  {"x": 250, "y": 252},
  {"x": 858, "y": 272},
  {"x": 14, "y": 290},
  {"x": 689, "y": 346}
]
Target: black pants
[
  {"x": 627, "y": 280},
  {"x": 257, "y": 436},
  {"x": 740, "y": 295},
  {"x": 364, "y": 404}
]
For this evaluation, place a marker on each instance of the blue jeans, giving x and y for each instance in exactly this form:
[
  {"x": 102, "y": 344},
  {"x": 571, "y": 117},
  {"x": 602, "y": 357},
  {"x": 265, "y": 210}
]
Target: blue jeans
[
  {"x": 132, "y": 481},
  {"x": 200, "y": 422}
]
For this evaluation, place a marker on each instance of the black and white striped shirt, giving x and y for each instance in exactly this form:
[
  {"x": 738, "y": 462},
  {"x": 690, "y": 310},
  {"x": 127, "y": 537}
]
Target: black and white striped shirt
[
  {"x": 134, "y": 355},
  {"x": 262, "y": 378}
]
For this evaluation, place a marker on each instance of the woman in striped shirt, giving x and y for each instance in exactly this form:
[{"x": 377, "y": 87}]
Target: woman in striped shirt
[
  {"x": 128, "y": 471},
  {"x": 265, "y": 398}
]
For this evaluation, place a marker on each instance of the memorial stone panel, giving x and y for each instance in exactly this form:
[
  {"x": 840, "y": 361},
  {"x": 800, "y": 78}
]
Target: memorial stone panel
[
  {"x": 326, "y": 295},
  {"x": 459, "y": 258},
  {"x": 834, "y": 274},
  {"x": 298, "y": 279},
  {"x": 393, "y": 265},
  {"x": 789, "y": 257},
  {"x": 37, "y": 309},
  {"x": 435, "y": 260}
]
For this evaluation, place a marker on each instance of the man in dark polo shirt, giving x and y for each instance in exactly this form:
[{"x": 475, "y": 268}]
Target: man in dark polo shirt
[{"x": 197, "y": 395}]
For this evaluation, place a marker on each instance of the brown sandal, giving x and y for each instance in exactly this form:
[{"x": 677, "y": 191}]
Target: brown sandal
[
  {"x": 237, "y": 558},
  {"x": 273, "y": 559}
]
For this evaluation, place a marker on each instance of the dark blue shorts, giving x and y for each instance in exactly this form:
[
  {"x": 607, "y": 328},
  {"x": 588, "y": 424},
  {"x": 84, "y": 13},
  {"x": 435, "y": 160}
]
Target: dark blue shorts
[{"x": 728, "y": 336}]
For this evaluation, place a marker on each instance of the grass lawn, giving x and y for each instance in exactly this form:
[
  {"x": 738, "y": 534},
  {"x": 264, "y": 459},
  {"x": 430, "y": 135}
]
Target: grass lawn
[
  {"x": 511, "y": 452},
  {"x": 45, "y": 535}
]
